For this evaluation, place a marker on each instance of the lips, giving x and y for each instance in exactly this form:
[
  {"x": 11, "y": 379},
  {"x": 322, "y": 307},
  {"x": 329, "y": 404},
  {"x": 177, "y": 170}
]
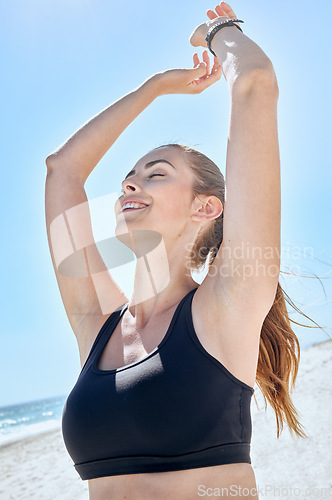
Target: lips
[
  {"x": 133, "y": 200},
  {"x": 132, "y": 208}
]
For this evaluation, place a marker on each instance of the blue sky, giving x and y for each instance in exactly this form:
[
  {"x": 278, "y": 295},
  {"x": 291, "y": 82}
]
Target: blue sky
[{"x": 62, "y": 63}]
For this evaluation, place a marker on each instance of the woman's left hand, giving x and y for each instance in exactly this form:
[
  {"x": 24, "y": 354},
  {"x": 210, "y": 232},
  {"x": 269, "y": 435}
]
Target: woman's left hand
[{"x": 189, "y": 81}]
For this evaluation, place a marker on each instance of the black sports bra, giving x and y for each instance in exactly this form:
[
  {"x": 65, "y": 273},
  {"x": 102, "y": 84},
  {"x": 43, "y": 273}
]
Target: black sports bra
[{"x": 177, "y": 408}]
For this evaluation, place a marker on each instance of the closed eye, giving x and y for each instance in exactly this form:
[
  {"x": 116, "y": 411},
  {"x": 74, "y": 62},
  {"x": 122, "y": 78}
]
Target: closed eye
[{"x": 161, "y": 175}]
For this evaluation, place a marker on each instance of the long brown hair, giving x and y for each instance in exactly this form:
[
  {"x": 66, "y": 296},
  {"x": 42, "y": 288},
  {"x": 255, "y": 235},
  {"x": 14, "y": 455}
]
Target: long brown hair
[{"x": 279, "y": 348}]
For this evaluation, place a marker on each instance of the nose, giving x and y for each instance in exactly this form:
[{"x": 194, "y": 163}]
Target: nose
[{"x": 129, "y": 186}]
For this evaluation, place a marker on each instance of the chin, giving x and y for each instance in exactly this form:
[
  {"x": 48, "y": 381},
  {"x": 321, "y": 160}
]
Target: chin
[{"x": 145, "y": 240}]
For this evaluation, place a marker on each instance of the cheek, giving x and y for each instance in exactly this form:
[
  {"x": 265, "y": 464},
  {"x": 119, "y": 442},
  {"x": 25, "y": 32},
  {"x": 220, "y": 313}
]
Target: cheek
[{"x": 175, "y": 203}]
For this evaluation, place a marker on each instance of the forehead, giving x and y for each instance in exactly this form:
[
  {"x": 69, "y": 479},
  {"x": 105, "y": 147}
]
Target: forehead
[{"x": 173, "y": 155}]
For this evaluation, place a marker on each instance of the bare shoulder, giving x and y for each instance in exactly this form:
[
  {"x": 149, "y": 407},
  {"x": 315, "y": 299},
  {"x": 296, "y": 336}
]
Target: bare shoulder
[{"x": 228, "y": 323}]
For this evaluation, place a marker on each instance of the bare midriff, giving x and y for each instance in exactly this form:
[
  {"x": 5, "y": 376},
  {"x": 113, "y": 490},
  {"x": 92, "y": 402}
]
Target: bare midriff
[{"x": 231, "y": 480}]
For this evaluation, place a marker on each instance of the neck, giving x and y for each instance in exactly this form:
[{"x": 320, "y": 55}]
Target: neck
[{"x": 161, "y": 280}]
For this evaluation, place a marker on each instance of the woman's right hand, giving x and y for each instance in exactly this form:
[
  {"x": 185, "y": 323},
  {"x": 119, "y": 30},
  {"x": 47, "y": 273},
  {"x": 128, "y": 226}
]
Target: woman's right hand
[
  {"x": 223, "y": 12},
  {"x": 189, "y": 81}
]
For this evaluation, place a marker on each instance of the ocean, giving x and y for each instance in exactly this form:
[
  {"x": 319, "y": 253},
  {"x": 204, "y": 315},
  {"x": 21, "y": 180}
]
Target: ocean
[{"x": 30, "y": 418}]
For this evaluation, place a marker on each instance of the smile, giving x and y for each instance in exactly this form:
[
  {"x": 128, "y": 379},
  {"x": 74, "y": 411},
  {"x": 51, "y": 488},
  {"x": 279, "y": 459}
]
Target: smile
[{"x": 132, "y": 209}]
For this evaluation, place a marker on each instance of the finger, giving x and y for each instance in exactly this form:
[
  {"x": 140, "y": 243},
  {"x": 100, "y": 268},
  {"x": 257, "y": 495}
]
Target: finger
[
  {"x": 228, "y": 9},
  {"x": 216, "y": 65},
  {"x": 220, "y": 11},
  {"x": 195, "y": 59},
  {"x": 211, "y": 14},
  {"x": 199, "y": 74},
  {"x": 214, "y": 77},
  {"x": 217, "y": 73},
  {"x": 206, "y": 59},
  {"x": 203, "y": 84}
]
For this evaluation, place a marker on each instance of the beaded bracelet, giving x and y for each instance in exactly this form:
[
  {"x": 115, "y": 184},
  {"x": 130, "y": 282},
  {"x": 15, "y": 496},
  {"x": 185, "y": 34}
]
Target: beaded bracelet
[{"x": 212, "y": 31}]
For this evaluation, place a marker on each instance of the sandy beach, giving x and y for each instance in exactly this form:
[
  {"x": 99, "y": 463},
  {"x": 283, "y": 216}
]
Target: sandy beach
[{"x": 40, "y": 468}]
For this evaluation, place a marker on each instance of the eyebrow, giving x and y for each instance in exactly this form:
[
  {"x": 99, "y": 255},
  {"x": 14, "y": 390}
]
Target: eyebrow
[{"x": 150, "y": 164}]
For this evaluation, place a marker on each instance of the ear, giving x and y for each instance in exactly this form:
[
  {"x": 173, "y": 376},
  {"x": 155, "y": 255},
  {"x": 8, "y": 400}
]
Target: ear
[{"x": 206, "y": 208}]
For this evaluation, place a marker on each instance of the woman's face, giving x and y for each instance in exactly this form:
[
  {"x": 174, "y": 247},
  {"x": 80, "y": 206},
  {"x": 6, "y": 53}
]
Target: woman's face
[{"x": 166, "y": 187}]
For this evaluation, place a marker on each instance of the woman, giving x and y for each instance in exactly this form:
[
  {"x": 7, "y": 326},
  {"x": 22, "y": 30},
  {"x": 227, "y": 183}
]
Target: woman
[{"x": 174, "y": 420}]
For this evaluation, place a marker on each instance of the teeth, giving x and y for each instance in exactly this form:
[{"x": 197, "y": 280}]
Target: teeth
[{"x": 132, "y": 205}]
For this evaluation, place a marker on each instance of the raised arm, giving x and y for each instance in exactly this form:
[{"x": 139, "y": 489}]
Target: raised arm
[
  {"x": 85, "y": 148},
  {"x": 88, "y": 291},
  {"x": 249, "y": 257}
]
